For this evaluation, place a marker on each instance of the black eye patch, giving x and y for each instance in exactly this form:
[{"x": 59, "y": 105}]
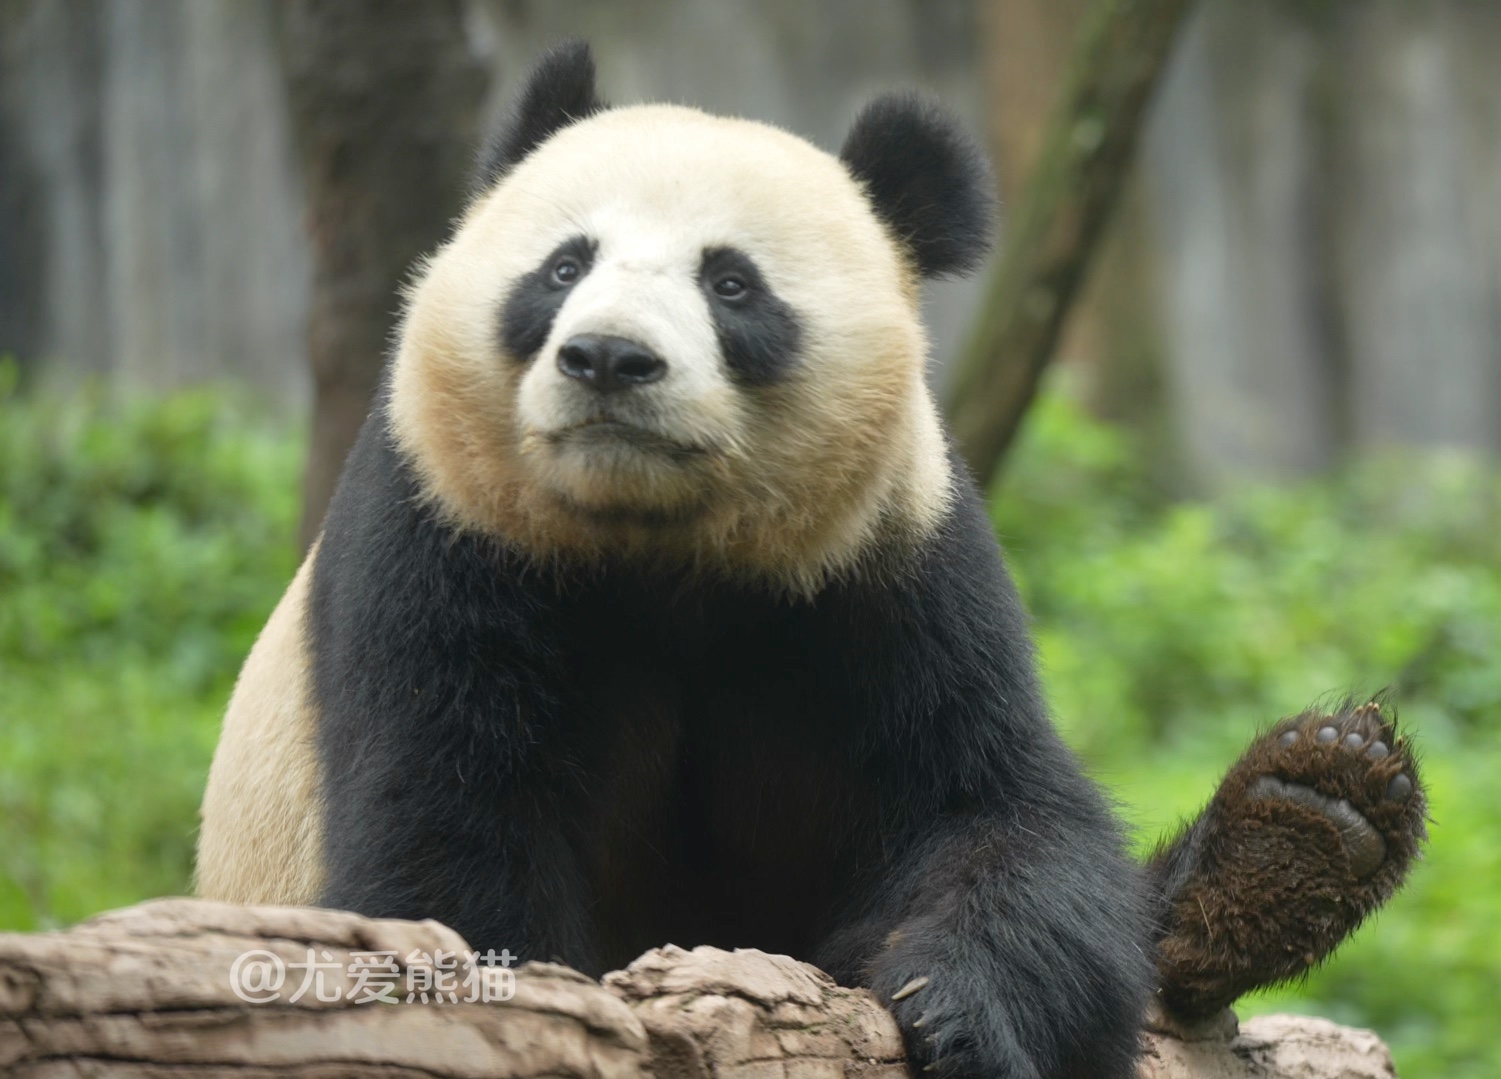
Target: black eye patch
[
  {"x": 758, "y": 332},
  {"x": 527, "y": 316}
]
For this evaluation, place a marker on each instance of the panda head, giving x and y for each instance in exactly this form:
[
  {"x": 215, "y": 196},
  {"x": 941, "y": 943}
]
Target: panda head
[{"x": 659, "y": 334}]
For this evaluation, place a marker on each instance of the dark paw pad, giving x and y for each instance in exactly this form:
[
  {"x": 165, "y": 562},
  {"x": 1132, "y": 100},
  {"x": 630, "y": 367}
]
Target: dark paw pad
[
  {"x": 1351, "y": 768},
  {"x": 1364, "y": 844}
]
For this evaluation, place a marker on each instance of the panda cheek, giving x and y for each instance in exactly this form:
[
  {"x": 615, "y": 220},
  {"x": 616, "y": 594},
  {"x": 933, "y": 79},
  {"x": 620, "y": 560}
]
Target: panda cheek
[{"x": 538, "y": 405}]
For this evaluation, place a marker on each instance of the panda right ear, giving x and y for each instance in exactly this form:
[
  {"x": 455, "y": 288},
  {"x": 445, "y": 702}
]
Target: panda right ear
[
  {"x": 927, "y": 179},
  {"x": 558, "y": 91}
]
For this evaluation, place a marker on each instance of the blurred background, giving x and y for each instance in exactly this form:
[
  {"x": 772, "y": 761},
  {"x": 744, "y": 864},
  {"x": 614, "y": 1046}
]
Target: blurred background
[{"x": 1262, "y": 470}]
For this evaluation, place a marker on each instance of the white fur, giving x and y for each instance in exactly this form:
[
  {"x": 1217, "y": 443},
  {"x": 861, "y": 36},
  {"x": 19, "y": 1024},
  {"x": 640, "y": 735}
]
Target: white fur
[
  {"x": 797, "y": 479},
  {"x": 643, "y": 286},
  {"x": 261, "y": 834}
]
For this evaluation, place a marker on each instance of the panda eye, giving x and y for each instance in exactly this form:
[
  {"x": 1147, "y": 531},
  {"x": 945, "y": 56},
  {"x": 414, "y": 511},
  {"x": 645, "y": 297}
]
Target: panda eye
[
  {"x": 730, "y": 288},
  {"x": 566, "y": 270}
]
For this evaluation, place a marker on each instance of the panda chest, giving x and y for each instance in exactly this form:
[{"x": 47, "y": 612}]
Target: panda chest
[{"x": 718, "y": 780}]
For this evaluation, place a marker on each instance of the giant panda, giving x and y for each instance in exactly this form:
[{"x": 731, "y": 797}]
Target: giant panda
[{"x": 653, "y": 605}]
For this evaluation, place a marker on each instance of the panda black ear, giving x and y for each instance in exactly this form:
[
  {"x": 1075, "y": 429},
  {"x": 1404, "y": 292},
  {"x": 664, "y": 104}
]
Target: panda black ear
[
  {"x": 927, "y": 179},
  {"x": 558, "y": 90}
]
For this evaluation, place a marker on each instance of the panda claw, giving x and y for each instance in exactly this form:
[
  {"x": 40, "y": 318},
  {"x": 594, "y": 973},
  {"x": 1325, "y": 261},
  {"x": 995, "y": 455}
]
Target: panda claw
[{"x": 911, "y": 987}]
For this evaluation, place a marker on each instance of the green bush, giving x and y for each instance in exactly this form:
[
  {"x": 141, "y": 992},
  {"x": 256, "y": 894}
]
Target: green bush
[{"x": 142, "y": 547}]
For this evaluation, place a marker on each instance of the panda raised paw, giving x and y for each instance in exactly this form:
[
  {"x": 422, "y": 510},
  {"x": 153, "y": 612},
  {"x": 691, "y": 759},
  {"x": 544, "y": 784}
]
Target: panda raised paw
[
  {"x": 1313, "y": 828},
  {"x": 1352, "y": 769}
]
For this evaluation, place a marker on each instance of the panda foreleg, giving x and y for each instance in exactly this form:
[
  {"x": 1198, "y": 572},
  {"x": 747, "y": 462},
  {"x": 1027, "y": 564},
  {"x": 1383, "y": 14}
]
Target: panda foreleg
[
  {"x": 421, "y": 825},
  {"x": 442, "y": 783},
  {"x": 1003, "y": 923},
  {"x": 992, "y": 947}
]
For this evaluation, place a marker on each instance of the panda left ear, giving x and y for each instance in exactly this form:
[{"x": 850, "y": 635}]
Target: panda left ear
[
  {"x": 558, "y": 91},
  {"x": 927, "y": 179}
]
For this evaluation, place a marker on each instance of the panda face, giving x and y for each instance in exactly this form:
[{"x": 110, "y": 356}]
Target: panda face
[{"x": 672, "y": 335}]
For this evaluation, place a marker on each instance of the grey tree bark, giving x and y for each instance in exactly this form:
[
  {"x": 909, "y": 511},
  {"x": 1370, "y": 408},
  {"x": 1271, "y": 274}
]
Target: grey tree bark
[
  {"x": 1122, "y": 49},
  {"x": 154, "y": 990},
  {"x": 383, "y": 96},
  {"x": 1326, "y": 187}
]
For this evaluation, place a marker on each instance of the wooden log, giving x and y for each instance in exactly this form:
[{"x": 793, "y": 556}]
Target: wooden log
[{"x": 162, "y": 989}]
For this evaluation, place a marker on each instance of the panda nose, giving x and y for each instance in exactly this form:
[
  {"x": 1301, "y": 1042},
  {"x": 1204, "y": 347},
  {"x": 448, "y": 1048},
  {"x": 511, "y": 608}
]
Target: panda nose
[{"x": 609, "y": 363}]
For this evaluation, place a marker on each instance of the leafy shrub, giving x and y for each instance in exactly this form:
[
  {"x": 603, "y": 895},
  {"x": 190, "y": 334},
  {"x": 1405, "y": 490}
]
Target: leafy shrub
[{"x": 141, "y": 548}]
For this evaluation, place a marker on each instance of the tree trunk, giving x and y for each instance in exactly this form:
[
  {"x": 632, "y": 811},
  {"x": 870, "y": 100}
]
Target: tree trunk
[
  {"x": 1112, "y": 339},
  {"x": 1122, "y": 49},
  {"x": 383, "y": 95}
]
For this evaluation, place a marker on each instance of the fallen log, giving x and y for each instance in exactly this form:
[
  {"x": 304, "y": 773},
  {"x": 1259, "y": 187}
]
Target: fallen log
[{"x": 190, "y": 988}]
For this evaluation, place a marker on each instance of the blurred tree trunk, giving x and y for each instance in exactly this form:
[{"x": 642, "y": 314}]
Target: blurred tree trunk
[
  {"x": 1325, "y": 181},
  {"x": 1082, "y": 162},
  {"x": 52, "y": 249},
  {"x": 23, "y": 248},
  {"x": 1239, "y": 170},
  {"x": 1026, "y": 46},
  {"x": 1414, "y": 147},
  {"x": 383, "y": 95},
  {"x": 1113, "y": 337}
]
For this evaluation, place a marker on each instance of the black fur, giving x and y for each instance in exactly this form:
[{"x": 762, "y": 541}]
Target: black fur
[
  {"x": 534, "y": 301},
  {"x": 558, "y": 91},
  {"x": 758, "y": 332},
  {"x": 927, "y": 179},
  {"x": 583, "y": 768}
]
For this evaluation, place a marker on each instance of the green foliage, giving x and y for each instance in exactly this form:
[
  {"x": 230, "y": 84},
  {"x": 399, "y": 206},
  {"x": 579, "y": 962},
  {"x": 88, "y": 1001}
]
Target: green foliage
[
  {"x": 1170, "y": 632},
  {"x": 142, "y": 547},
  {"x": 1195, "y": 621}
]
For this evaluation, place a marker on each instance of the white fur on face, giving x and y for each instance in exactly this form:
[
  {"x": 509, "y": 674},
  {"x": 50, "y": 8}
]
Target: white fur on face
[
  {"x": 793, "y": 479},
  {"x": 642, "y": 287}
]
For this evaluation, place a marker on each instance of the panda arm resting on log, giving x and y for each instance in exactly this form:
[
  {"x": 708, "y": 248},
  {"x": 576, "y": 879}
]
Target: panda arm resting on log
[{"x": 653, "y": 606}]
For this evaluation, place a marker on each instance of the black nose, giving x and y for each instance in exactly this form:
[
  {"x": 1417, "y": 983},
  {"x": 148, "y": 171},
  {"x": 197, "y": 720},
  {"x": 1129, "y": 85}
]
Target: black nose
[{"x": 609, "y": 363}]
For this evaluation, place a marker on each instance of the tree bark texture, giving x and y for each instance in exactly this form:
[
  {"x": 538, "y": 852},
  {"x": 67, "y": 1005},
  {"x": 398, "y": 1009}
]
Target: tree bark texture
[
  {"x": 1112, "y": 339},
  {"x": 149, "y": 991},
  {"x": 1122, "y": 48},
  {"x": 382, "y": 93}
]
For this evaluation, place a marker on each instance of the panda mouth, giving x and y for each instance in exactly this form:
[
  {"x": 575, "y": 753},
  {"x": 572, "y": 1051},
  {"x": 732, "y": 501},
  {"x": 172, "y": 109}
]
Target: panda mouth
[{"x": 604, "y": 430}]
